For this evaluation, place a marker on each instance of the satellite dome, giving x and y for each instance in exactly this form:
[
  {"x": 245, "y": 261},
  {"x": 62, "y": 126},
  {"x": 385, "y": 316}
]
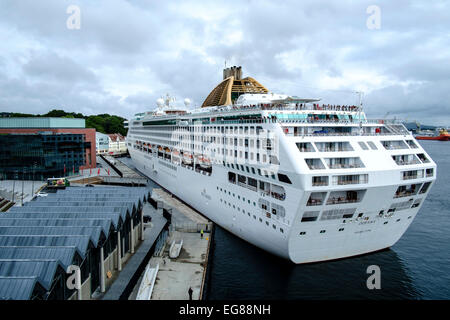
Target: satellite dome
[
  {"x": 160, "y": 102},
  {"x": 187, "y": 102}
]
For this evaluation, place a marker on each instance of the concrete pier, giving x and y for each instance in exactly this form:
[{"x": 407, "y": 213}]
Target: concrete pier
[{"x": 176, "y": 276}]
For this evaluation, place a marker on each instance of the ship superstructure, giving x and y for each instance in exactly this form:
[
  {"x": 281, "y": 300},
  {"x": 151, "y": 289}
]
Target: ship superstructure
[{"x": 303, "y": 180}]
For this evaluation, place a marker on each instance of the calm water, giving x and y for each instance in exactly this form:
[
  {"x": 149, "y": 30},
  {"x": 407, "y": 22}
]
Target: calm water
[{"x": 416, "y": 267}]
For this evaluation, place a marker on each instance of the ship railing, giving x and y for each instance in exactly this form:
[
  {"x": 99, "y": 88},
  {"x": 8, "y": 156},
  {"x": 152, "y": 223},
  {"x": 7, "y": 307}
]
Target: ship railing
[
  {"x": 342, "y": 134},
  {"x": 314, "y": 202},
  {"x": 344, "y": 166},
  {"x": 410, "y": 177},
  {"x": 357, "y": 181},
  {"x": 341, "y": 200},
  {"x": 295, "y": 106},
  {"x": 404, "y": 194},
  {"x": 405, "y": 163},
  {"x": 320, "y": 184}
]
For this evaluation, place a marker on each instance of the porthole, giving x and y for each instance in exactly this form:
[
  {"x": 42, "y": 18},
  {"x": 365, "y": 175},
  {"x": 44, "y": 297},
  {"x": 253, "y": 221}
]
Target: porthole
[
  {"x": 341, "y": 229},
  {"x": 302, "y": 233},
  {"x": 322, "y": 231}
]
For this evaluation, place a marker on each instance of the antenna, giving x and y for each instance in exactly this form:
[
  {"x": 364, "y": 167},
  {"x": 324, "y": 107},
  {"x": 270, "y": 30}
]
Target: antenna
[{"x": 360, "y": 93}]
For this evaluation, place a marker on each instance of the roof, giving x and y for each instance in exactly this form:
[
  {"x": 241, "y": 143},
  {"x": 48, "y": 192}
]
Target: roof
[
  {"x": 115, "y": 218},
  {"x": 116, "y": 137},
  {"x": 80, "y": 242},
  {"x": 49, "y": 234},
  {"x": 231, "y": 87},
  {"x": 17, "y": 288},
  {"x": 44, "y": 123},
  {"x": 93, "y": 232},
  {"x": 43, "y": 270},
  {"x": 105, "y": 224},
  {"x": 122, "y": 211},
  {"x": 66, "y": 255}
]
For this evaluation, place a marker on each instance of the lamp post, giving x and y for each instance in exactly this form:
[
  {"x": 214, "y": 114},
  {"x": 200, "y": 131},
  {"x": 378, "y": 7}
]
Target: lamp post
[
  {"x": 32, "y": 182},
  {"x": 16, "y": 177},
  {"x": 23, "y": 178}
]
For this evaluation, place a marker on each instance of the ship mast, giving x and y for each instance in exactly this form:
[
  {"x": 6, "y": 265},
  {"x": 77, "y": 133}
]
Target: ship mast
[{"x": 360, "y": 94}]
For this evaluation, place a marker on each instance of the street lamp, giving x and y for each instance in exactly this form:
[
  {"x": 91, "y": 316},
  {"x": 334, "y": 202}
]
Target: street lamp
[
  {"x": 32, "y": 182},
  {"x": 23, "y": 178}
]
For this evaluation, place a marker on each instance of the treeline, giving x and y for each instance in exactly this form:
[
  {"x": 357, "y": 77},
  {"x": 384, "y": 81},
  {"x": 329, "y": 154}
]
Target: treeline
[{"x": 104, "y": 123}]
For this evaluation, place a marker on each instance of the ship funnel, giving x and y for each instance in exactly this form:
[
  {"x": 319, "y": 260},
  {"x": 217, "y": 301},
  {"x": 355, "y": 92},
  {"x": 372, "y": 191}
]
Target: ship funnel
[{"x": 234, "y": 71}]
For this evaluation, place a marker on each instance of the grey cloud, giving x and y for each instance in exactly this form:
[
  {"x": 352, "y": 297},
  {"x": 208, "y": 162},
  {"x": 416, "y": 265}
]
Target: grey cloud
[{"x": 168, "y": 47}]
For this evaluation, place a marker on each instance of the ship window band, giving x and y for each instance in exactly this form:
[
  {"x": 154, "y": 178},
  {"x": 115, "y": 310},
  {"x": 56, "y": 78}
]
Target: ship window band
[
  {"x": 363, "y": 145},
  {"x": 310, "y": 216},
  {"x": 372, "y": 145}
]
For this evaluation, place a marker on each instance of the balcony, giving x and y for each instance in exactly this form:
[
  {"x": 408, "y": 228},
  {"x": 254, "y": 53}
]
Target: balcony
[
  {"x": 340, "y": 197},
  {"x": 394, "y": 145},
  {"x": 414, "y": 174},
  {"x": 407, "y": 159},
  {"x": 305, "y": 147},
  {"x": 344, "y": 163},
  {"x": 351, "y": 179},
  {"x": 423, "y": 158},
  {"x": 333, "y": 146},
  {"x": 407, "y": 190},
  {"x": 316, "y": 199},
  {"x": 320, "y": 181},
  {"x": 315, "y": 164}
]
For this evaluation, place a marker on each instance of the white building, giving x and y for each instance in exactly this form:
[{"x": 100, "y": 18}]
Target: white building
[
  {"x": 102, "y": 143},
  {"x": 117, "y": 144}
]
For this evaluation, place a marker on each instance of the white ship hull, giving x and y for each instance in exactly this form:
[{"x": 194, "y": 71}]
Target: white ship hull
[{"x": 201, "y": 193}]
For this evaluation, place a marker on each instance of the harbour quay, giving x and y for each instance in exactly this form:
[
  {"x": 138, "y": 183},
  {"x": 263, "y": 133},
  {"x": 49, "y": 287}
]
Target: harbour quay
[{"x": 174, "y": 273}]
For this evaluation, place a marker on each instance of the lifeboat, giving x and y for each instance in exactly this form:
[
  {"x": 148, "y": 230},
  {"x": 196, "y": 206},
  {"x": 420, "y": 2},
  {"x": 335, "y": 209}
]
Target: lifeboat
[
  {"x": 187, "y": 157},
  {"x": 204, "y": 162},
  {"x": 176, "y": 153},
  {"x": 166, "y": 149}
]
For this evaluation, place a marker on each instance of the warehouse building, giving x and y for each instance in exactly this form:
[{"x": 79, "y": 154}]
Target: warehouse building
[{"x": 96, "y": 229}]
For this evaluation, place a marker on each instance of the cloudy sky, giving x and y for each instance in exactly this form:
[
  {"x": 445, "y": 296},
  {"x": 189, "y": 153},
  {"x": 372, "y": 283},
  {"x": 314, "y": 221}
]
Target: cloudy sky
[{"x": 127, "y": 54}]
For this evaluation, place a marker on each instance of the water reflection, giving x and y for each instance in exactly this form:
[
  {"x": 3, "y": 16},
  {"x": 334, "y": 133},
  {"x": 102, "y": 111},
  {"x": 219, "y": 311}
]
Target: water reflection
[{"x": 241, "y": 271}]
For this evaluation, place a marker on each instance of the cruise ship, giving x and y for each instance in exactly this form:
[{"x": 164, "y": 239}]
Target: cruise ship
[{"x": 303, "y": 180}]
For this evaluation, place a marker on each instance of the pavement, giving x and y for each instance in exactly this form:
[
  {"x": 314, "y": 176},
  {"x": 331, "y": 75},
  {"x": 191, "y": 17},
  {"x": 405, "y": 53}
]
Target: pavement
[
  {"x": 7, "y": 186},
  {"x": 176, "y": 276}
]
